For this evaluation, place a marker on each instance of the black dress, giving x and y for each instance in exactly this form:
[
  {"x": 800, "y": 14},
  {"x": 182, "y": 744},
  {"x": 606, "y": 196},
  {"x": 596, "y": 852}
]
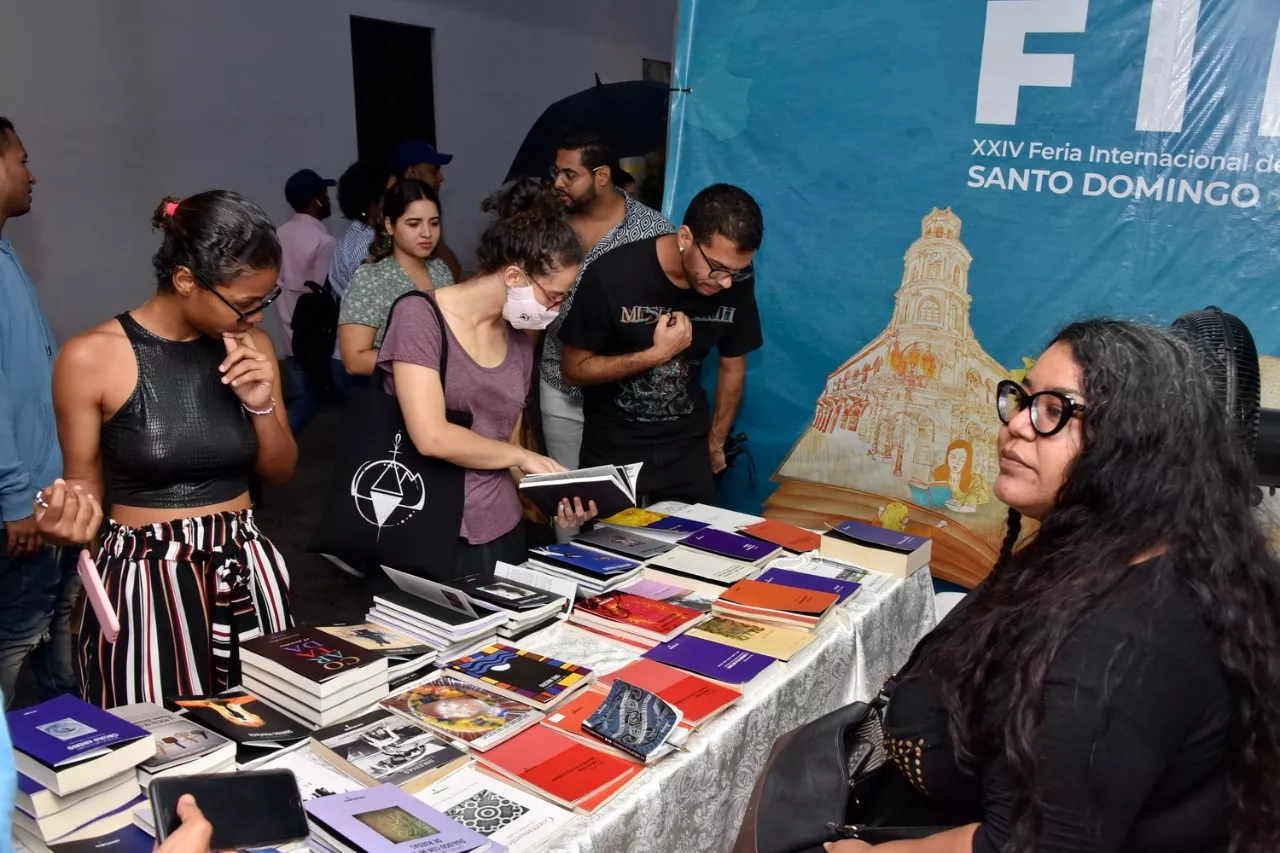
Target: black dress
[{"x": 1131, "y": 751}]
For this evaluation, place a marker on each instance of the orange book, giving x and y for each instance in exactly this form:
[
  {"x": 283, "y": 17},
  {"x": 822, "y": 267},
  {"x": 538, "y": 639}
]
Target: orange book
[
  {"x": 562, "y": 769},
  {"x": 776, "y": 604},
  {"x": 698, "y": 699},
  {"x": 786, "y": 535}
]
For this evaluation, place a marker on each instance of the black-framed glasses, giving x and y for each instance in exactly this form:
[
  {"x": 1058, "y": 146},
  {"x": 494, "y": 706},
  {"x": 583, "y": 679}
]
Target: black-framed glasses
[
  {"x": 569, "y": 174},
  {"x": 1050, "y": 410},
  {"x": 719, "y": 273},
  {"x": 243, "y": 315}
]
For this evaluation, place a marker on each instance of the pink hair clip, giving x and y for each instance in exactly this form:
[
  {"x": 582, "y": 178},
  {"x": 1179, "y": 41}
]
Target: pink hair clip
[{"x": 171, "y": 208}]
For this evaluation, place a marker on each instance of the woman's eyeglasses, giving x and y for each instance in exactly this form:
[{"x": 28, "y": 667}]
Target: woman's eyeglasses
[
  {"x": 1050, "y": 410},
  {"x": 243, "y": 315}
]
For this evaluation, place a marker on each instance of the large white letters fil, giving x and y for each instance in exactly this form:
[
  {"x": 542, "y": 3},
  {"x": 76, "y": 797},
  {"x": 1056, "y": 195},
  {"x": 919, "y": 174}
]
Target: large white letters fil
[{"x": 1006, "y": 67}]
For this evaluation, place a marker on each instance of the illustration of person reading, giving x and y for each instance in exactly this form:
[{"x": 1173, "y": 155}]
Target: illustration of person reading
[{"x": 955, "y": 485}]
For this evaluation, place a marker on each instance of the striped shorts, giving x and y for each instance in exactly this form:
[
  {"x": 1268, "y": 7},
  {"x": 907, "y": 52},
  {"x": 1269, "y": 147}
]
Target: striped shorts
[{"x": 187, "y": 593}]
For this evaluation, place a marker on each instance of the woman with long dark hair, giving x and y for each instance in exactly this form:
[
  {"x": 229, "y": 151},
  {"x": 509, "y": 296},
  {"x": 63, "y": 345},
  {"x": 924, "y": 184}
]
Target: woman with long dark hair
[
  {"x": 1114, "y": 685},
  {"x": 400, "y": 260},
  {"x": 164, "y": 413},
  {"x": 528, "y": 259}
]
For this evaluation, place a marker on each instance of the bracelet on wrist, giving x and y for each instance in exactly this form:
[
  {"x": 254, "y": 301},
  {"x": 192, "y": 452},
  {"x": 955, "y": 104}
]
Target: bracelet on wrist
[{"x": 269, "y": 410}]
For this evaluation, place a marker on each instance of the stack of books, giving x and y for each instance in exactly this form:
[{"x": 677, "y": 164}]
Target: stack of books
[
  {"x": 182, "y": 746},
  {"x": 385, "y": 819},
  {"x": 594, "y": 572},
  {"x": 624, "y": 543},
  {"x": 536, "y": 680},
  {"x": 313, "y": 676},
  {"x": 466, "y": 715},
  {"x": 405, "y": 655},
  {"x": 77, "y": 768},
  {"x": 382, "y": 748},
  {"x": 736, "y": 667},
  {"x": 527, "y": 608},
  {"x": 258, "y": 730},
  {"x": 634, "y": 618},
  {"x": 891, "y": 552},
  {"x": 659, "y": 525},
  {"x": 700, "y": 700},
  {"x": 702, "y": 566},
  {"x": 776, "y": 604},
  {"x": 741, "y": 549}
]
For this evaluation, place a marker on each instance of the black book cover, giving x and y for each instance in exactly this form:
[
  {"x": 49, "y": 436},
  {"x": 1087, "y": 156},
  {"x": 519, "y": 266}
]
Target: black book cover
[
  {"x": 610, "y": 499},
  {"x": 625, "y": 543},
  {"x": 311, "y": 653},
  {"x": 241, "y": 717},
  {"x": 504, "y": 593}
]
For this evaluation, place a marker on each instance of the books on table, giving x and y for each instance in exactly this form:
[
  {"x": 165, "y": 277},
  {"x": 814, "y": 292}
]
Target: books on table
[
  {"x": 538, "y": 681},
  {"x": 256, "y": 727},
  {"x": 612, "y": 487},
  {"x": 403, "y": 652},
  {"x": 709, "y": 659},
  {"x": 774, "y": 604},
  {"x": 659, "y": 525},
  {"x": 48, "y": 817},
  {"x": 594, "y": 572},
  {"x": 385, "y": 819},
  {"x": 843, "y": 590},
  {"x": 788, "y": 536},
  {"x": 743, "y": 549},
  {"x": 182, "y": 746},
  {"x": 122, "y": 839},
  {"x": 566, "y": 771},
  {"x": 503, "y": 813},
  {"x": 624, "y": 543},
  {"x": 699, "y": 699},
  {"x": 774, "y": 641},
  {"x": 635, "y": 616},
  {"x": 472, "y": 717},
  {"x": 66, "y": 745},
  {"x": 528, "y": 608},
  {"x": 676, "y": 593},
  {"x": 634, "y": 720},
  {"x": 315, "y": 663},
  {"x": 703, "y": 566},
  {"x": 891, "y": 552},
  {"x": 569, "y": 718},
  {"x": 384, "y": 748},
  {"x": 57, "y": 831}
]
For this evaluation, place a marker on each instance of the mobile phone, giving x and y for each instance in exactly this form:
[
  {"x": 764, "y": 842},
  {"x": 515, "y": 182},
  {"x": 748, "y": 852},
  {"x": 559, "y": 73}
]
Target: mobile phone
[
  {"x": 262, "y": 808},
  {"x": 97, "y": 595}
]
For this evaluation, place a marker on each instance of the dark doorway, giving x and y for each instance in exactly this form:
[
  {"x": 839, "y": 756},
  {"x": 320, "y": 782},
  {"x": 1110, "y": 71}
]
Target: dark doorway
[{"x": 395, "y": 93}]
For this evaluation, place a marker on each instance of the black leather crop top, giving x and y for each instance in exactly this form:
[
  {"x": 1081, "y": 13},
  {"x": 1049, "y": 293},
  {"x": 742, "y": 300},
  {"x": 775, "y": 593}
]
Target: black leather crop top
[{"x": 182, "y": 439}]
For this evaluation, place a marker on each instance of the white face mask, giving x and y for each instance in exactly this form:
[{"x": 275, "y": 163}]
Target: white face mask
[{"x": 523, "y": 310}]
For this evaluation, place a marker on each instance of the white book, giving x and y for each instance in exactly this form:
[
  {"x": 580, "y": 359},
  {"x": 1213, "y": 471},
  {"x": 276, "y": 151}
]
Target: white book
[
  {"x": 179, "y": 740},
  {"x": 103, "y": 823},
  {"x": 307, "y": 700},
  {"x": 53, "y": 826},
  {"x": 39, "y": 801},
  {"x": 308, "y": 715},
  {"x": 211, "y": 762},
  {"x": 502, "y": 813},
  {"x": 718, "y": 517},
  {"x": 703, "y": 565},
  {"x": 440, "y": 642},
  {"x": 316, "y": 777}
]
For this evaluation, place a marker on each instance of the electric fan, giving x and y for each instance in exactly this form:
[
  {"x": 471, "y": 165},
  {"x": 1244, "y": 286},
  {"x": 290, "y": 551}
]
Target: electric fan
[{"x": 1231, "y": 359}]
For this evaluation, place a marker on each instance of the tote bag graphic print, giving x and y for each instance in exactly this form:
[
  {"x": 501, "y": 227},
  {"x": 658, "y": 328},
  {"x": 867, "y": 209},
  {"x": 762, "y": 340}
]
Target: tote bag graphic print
[{"x": 386, "y": 492}]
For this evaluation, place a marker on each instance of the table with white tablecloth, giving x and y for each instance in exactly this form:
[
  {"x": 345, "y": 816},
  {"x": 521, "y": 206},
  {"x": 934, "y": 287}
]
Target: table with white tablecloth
[{"x": 695, "y": 801}]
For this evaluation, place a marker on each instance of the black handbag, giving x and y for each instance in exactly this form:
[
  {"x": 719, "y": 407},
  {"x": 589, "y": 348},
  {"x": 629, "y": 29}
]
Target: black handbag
[
  {"x": 811, "y": 785},
  {"x": 388, "y": 504}
]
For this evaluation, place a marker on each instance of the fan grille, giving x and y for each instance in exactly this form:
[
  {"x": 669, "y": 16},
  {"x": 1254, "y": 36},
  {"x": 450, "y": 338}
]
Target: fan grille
[{"x": 1231, "y": 360}]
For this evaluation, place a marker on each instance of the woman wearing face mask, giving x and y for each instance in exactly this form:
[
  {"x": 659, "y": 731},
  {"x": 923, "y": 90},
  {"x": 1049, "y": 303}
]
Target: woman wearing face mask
[
  {"x": 400, "y": 260},
  {"x": 528, "y": 259},
  {"x": 1114, "y": 685},
  {"x": 164, "y": 413}
]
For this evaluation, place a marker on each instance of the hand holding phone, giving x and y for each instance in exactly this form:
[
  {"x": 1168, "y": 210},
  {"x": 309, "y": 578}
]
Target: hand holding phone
[
  {"x": 195, "y": 833},
  {"x": 243, "y": 810}
]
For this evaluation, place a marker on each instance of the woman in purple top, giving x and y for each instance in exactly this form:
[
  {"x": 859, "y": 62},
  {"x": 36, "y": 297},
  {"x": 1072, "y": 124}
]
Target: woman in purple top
[{"x": 528, "y": 258}]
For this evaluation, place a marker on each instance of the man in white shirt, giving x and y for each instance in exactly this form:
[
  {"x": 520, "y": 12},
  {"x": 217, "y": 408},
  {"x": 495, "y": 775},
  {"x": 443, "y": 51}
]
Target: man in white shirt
[{"x": 307, "y": 252}]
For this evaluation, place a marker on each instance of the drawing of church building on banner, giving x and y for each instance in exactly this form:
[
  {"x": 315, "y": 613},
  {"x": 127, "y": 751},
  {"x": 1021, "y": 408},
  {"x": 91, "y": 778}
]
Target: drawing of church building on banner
[{"x": 905, "y": 429}]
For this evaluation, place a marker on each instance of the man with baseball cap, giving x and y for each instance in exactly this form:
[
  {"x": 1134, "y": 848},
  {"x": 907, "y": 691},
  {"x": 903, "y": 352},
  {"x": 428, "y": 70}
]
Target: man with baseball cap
[
  {"x": 307, "y": 251},
  {"x": 419, "y": 160}
]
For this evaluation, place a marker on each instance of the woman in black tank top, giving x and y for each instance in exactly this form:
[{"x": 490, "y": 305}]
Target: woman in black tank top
[{"x": 164, "y": 414}]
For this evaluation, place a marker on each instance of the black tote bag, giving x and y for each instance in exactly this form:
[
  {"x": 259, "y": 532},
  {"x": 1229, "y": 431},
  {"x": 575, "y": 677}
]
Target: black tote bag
[{"x": 388, "y": 504}]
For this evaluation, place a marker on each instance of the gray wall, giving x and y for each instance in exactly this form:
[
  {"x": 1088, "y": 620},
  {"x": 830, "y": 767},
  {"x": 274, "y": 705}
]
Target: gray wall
[{"x": 121, "y": 102}]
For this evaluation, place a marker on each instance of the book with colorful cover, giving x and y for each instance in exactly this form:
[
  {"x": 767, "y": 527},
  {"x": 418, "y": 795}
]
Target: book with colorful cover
[
  {"x": 712, "y": 660},
  {"x": 66, "y": 745},
  {"x": 501, "y": 812},
  {"x": 655, "y": 522},
  {"x": 532, "y": 678},
  {"x": 312, "y": 660},
  {"x": 243, "y": 718},
  {"x": 385, "y": 819},
  {"x": 774, "y": 641},
  {"x": 634, "y": 720},
  {"x": 632, "y": 614},
  {"x": 698, "y": 699},
  {"x": 843, "y": 590},
  {"x": 625, "y": 543},
  {"x": 731, "y": 545},
  {"x": 784, "y": 535},
  {"x": 378, "y": 638},
  {"x": 564, "y": 770},
  {"x": 679, "y": 595},
  {"x": 588, "y": 561},
  {"x": 464, "y": 713}
]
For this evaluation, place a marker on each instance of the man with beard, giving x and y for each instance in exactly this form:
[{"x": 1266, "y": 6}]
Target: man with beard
[
  {"x": 586, "y": 175},
  {"x": 307, "y": 252},
  {"x": 645, "y": 317}
]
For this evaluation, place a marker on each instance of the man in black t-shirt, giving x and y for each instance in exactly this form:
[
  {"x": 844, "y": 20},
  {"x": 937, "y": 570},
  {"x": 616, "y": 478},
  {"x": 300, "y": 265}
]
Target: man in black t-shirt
[{"x": 644, "y": 318}]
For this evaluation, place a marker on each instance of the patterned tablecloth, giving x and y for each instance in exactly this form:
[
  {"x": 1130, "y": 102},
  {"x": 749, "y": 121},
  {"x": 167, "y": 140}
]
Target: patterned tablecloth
[{"x": 695, "y": 801}]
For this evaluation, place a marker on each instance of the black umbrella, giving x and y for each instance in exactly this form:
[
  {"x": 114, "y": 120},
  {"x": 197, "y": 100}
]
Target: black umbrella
[{"x": 632, "y": 115}]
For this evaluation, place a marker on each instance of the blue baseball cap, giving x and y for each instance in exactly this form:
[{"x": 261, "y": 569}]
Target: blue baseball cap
[
  {"x": 303, "y": 186},
  {"x": 414, "y": 151}
]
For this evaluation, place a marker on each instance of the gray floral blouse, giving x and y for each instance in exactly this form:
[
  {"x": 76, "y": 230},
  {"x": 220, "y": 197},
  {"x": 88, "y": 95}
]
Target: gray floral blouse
[{"x": 375, "y": 287}]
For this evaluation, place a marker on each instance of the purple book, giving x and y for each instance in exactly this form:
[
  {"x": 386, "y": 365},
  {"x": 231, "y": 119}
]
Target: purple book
[
  {"x": 730, "y": 545},
  {"x": 817, "y": 583},
  {"x": 65, "y": 730},
  {"x": 712, "y": 660},
  {"x": 385, "y": 819},
  {"x": 878, "y": 537}
]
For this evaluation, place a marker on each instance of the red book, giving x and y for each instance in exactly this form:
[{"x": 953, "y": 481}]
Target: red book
[
  {"x": 775, "y": 603},
  {"x": 698, "y": 699},
  {"x": 635, "y": 615},
  {"x": 786, "y": 535},
  {"x": 560, "y": 768},
  {"x": 570, "y": 716}
]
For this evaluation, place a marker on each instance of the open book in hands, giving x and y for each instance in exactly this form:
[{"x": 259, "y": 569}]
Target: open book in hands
[{"x": 612, "y": 487}]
